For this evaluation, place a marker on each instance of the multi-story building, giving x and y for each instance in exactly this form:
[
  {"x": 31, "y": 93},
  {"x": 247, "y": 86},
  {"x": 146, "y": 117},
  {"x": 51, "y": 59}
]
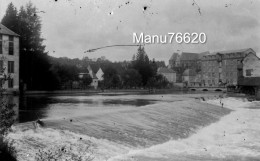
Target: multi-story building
[
  {"x": 223, "y": 68},
  {"x": 180, "y": 61},
  {"x": 9, "y": 59},
  {"x": 249, "y": 82}
]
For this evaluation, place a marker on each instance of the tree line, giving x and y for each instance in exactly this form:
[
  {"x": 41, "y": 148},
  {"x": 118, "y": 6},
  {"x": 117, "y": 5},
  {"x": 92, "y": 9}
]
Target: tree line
[{"x": 39, "y": 71}]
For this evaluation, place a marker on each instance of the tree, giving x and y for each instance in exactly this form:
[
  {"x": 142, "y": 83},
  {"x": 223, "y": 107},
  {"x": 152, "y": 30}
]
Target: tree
[
  {"x": 10, "y": 18},
  {"x": 142, "y": 64},
  {"x": 34, "y": 61},
  {"x": 111, "y": 78},
  {"x": 131, "y": 78},
  {"x": 86, "y": 80},
  {"x": 7, "y": 151}
]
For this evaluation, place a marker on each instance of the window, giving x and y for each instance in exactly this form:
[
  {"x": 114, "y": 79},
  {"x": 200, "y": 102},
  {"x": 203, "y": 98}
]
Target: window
[
  {"x": 10, "y": 66},
  {"x": 1, "y": 66},
  {"x": 11, "y": 45},
  {"x": 1, "y": 44},
  {"x": 10, "y": 83},
  {"x": 249, "y": 72}
]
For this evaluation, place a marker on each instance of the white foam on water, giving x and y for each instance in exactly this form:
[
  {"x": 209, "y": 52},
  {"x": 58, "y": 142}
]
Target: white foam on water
[
  {"x": 29, "y": 142},
  {"x": 237, "y": 134}
]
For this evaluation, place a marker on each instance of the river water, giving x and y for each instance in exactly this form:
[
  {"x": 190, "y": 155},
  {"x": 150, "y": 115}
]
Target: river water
[{"x": 135, "y": 127}]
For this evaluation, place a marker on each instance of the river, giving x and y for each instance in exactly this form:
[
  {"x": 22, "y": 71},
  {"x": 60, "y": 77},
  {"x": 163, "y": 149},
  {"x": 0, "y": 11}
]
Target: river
[{"x": 132, "y": 126}]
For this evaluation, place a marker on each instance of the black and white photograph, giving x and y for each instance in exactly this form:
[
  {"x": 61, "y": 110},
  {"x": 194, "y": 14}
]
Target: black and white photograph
[{"x": 129, "y": 80}]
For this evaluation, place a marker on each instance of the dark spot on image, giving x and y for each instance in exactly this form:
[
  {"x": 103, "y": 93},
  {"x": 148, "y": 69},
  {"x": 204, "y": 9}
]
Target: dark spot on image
[{"x": 145, "y": 8}]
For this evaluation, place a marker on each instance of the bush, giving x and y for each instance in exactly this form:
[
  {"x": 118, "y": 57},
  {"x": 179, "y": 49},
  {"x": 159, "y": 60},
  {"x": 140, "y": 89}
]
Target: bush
[
  {"x": 65, "y": 153},
  {"x": 7, "y": 151}
]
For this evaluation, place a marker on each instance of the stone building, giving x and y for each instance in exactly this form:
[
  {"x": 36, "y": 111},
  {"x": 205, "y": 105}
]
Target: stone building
[
  {"x": 251, "y": 66},
  {"x": 169, "y": 74},
  {"x": 220, "y": 69},
  {"x": 249, "y": 83},
  {"x": 180, "y": 61},
  {"x": 9, "y": 59}
]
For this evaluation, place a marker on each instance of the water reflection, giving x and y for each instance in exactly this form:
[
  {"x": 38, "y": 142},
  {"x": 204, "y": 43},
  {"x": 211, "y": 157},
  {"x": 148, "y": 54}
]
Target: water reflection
[{"x": 38, "y": 107}]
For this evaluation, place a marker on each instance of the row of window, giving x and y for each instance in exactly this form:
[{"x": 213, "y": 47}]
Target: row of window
[
  {"x": 11, "y": 45},
  {"x": 224, "y": 62},
  {"x": 10, "y": 67}
]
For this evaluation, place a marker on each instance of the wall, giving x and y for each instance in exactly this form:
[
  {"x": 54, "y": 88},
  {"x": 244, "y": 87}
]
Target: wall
[
  {"x": 6, "y": 57},
  {"x": 100, "y": 74},
  {"x": 171, "y": 77},
  {"x": 251, "y": 62}
]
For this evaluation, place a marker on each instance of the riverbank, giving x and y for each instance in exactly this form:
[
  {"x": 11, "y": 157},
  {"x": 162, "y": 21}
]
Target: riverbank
[{"x": 106, "y": 91}]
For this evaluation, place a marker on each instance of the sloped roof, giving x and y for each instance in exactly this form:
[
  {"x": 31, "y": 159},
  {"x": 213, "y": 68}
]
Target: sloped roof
[
  {"x": 189, "y": 56},
  {"x": 5, "y": 31},
  {"x": 174, "y": 56},
  {"x": 232, "y": 51},
  {"x": 94, "y": 67},
  {"x": 203, "y": 53},
  {"x": 189, "y": 72},
  {"x": 165, "y": 70}
]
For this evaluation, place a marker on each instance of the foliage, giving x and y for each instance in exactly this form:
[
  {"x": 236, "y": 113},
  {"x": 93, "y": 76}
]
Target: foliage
[
  {"x": 111, "y": 78},
  {"x": 86, "y": 80},
  {"x": 7, "y": 150},
  {"x": 158, "y": 81},
  {"x": 6, "y": 116},
  {"x": 10, "y": 18},
  {"x": 131, "y": 78},
  {"x": 142, "y": 64},
  {"x": 65, "y": 153},
  {"x": 34, "y": 63}
]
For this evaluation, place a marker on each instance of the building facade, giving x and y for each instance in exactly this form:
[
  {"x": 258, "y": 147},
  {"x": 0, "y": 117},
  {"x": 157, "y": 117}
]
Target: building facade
[
  {"x": 180, "y": 61},
  {"x": 251, "y": 66},
  {"x": 9, "y": 59},
  {"x": 169, "y": 74},
  {"x": 221, "y": 69}
]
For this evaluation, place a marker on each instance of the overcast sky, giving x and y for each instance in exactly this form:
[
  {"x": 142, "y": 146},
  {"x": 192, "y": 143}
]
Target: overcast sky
[{"x": 71, "y": 27}]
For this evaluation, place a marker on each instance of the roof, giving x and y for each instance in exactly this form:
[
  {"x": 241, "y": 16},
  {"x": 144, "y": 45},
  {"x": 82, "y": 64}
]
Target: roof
[
  {"x": 5, "y": 31},
  {"x": 189, "y": 56},
  {"x": 252, "y": 54},
  {"x": 203, "y": 53},
  {"x": 189, "y": 72},
  {"x": 232, "y": 51},
  {"x": 253, "y": 81},
  {"x": 94, "y": 67},
  {"x": 165, "y": 70},
  {"x": 174, "y": 56}
]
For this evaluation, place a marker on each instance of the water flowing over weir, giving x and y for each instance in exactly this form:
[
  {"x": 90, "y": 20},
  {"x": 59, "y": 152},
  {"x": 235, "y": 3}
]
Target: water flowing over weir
[{"x": 119, "y": 132}]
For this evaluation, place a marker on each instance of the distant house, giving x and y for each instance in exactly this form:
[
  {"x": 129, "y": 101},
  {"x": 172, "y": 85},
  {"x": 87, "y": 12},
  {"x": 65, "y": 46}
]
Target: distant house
[
  {"x": 100, "y": 74},
  {"x": 251, "y": 66},
  {"x": 9, "y": 59},
  {"x": 96, "y": 71},
  {"x": 169, "y": 74},
  {"x": 94, "y": 82}
]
